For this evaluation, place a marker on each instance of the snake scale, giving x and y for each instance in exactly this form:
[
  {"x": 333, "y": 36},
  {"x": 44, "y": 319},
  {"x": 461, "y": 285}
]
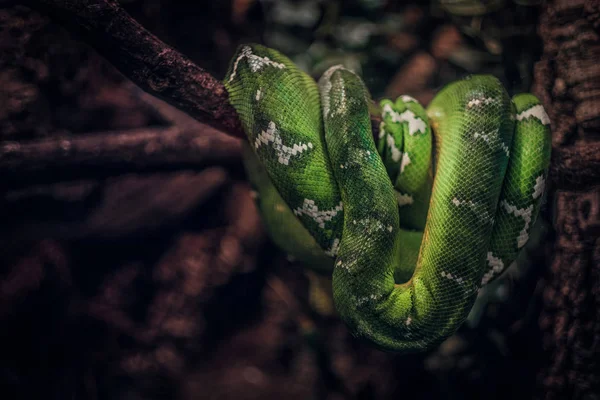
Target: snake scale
[{"x": 410, "y": 224}]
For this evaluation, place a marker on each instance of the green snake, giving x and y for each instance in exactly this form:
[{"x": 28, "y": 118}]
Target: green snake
[{"x": 411, "y": 224}]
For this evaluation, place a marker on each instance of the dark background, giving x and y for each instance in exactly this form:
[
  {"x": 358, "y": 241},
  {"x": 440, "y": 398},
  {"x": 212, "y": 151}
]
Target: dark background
[{"x": 160, "y": 283}]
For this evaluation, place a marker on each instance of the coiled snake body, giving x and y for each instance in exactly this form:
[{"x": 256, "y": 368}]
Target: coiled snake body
[{"x": 412, "y": 227}]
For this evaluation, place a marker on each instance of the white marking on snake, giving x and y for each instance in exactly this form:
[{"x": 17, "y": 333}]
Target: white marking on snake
[
  {"x": 415, "y": 124},
  {"x": 255, "y": 62},
  {"x": 476, "y": 102},
  {"x": 381, "y": 129},
  {"x": 346, "y": 264},
  {"x": 489, "y": 137},
  {"x": 327, "y": 88},
  {"x": 404, "y": 199},
  {"x": 361, "y": 155},
  {"x": 284, "y": 153},
  {"x": 396, "y": 153},
  {"x": 335, "y": 247},
  {"x": 496, "y": 266},
  {"x": 405, "y": 162},
  {"x": 371, "y": 225},
  {"x": 357, "y": 157},
  {"x": 373, "y": 297},
  {"x": 524, "y": 213},
  {"x": 258, "y": 94},
  {"x": 486, "y": 138},
  {"x": 320, "y": 216},
  {"x": 484, "y": 214},
  {"x": 408, "y": 99},
  {"x": 341, "y": 100},
  {"x": 540, "y": 185},
  {"x": 454, "y": 278},
  {"x": 536, "y": 111},
  {"x": 458, "y": 202},
  {"x": 505, "y": 149}
]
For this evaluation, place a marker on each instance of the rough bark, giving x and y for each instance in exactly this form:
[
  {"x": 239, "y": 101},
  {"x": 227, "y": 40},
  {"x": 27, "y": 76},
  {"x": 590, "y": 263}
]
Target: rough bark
[
  {"x": 113, "y": 153},
  {"x": 146, "y": 60},
  {"x": 568, "y": 82}
]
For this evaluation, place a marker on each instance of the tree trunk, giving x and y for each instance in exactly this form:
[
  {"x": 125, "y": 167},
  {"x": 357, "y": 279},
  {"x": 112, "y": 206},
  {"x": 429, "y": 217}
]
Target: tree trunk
[{"x": 568, "y": 82}]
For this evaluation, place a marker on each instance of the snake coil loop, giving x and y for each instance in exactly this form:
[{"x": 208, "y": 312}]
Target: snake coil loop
[{"x": 410, "y": 231}]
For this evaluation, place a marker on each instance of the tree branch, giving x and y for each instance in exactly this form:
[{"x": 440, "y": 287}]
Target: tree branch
[
  {"x": 113, "y": 153},
  {"x": 144, "y": 59}
]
